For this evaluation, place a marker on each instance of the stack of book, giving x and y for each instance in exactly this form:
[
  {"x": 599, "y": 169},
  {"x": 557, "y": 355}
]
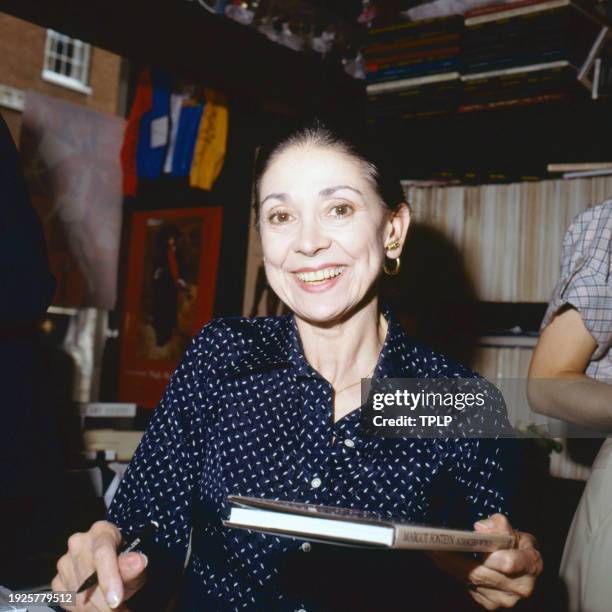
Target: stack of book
[
  {"x": 108, "y": 430},
  {"x": 414, "y": 67},
  {"x": 524, "y": 52}
]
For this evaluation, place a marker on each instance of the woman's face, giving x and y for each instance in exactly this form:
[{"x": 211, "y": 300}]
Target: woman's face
[{"x": 323, "y": 231}]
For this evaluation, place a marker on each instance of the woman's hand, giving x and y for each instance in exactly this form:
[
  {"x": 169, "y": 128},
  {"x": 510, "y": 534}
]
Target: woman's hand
[
  {"x": 502, "y": 577},
  {"x": 119, "y": 577}
]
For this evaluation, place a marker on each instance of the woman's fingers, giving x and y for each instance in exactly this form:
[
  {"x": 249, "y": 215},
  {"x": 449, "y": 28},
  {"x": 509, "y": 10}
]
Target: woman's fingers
[
  {"x": 522, "y": 565},
  {"x": 503, "y": 577},
  {"x": 57, "y": 584},
  {"x": 455, "y": 564},
  {"x": 516, "y": 562},
  {"x": 496, "y": 523},
  {"x": 132, "y": 568},
  {"x": 492, "y": 599},
  {"x": 520, "y": 586},
  {"x": 118, "y": 578},
  {"x": 105, "y": 559},
  {"x": 483, "y": 600}
]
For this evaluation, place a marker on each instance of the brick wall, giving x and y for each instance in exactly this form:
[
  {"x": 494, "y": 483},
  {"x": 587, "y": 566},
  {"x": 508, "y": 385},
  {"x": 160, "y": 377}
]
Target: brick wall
[{"x": 22, "y": 47}]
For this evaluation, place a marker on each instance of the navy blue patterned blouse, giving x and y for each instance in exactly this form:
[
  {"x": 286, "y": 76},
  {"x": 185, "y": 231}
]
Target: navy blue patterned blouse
[{"x": 246, "y": 414}]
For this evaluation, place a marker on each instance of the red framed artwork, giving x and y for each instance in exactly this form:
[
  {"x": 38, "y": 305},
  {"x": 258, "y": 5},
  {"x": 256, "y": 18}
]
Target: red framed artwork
[{"x": 172, "y": 273}]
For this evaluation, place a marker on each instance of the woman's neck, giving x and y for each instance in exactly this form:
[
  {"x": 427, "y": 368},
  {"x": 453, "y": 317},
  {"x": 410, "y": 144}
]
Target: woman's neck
[{"x": 347, "y": 351}]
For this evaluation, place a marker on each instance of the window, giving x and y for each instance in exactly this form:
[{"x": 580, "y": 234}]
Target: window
[{"x": 66, "y": 62}]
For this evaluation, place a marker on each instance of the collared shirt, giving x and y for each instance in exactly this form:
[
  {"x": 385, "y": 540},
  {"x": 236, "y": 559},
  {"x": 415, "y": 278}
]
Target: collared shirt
[
  {"x": 245, "y": 413},
  {"x": 585, "y": 282}
]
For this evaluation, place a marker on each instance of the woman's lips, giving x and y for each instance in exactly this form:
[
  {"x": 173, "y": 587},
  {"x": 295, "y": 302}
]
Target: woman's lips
[{"x": 315, "y": 281}]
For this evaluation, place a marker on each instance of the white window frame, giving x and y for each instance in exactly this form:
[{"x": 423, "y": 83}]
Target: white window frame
[{"x": 76, "y": 84}]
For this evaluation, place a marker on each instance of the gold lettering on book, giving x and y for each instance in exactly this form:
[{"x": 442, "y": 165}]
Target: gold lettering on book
[
  {"x": 428, "y": 538},
  {"x": 442, "y": 539}
]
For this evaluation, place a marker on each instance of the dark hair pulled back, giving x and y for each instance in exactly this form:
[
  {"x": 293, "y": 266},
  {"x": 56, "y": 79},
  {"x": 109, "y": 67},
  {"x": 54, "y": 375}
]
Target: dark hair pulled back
[{"x": 380, "y": 168}]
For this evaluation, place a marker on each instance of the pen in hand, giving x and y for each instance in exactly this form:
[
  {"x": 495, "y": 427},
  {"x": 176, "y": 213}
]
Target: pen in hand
[{"x": 140, "y": 538}]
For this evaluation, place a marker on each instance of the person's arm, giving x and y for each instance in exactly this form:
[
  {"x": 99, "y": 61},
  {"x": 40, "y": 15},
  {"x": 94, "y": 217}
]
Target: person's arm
[
  {"x": 158, "y": 486},
  {"x": 558, "y": 385}
]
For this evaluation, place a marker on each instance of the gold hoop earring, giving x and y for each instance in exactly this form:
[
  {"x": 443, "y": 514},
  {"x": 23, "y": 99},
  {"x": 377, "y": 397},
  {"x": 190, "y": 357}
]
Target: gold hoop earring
[{"x": 392, "y": 271}]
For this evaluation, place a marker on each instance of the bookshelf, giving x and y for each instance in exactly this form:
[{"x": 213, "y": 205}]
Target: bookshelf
[
  {"x": 492, "y": 96},
  {"x": 496, "y": 56}
]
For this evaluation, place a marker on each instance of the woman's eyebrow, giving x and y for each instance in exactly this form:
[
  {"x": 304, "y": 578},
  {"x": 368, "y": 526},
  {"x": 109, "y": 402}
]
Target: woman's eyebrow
[
  {"x": 277, "y": 196},
  {"x": 331, "y": 190},
  {"x": 323, "y": 193}
]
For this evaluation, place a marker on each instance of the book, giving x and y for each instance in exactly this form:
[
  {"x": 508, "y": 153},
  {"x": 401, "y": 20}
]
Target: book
[
  {"x": 388, "y": 86},
  {"x": 579, "y": 167},
  {"x": 420, "y": 69},
  {"x": 515, "y": 70},
  {"x": 520, "y": 61},
  {"x": 414, "y": 57},
  {"x": 107, "y": 409},
  {"x": 585, "y": 173},
  {"x": 441, "y": 39},
  {"x": 416, "y": 29},
  {"x": 505, "y": 11},
  {"x": 496, "y": 7},
  {"x": 123, "y": 442},
  {"x": 467, "y": 108},
  {"x": 345, "y": 526}
]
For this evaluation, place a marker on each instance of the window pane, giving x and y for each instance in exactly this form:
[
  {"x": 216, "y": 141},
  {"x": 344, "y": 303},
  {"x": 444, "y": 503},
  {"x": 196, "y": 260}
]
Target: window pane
[{"x": 66, "y": 56}]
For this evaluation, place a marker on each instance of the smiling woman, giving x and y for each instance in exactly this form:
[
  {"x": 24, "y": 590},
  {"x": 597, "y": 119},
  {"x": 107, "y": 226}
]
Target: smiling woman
[
  {"x": 270, "y": 407},
  {"x": 325, "y": 213}
]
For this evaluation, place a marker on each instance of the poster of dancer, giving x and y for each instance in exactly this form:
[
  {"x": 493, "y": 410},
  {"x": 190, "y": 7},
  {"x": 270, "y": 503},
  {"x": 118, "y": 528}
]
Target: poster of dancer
[{"x": 172, "y": 271}]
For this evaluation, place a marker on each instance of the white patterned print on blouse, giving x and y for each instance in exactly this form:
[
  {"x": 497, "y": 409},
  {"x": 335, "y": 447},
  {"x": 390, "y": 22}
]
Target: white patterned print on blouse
[{"x": 244, "y": 413}]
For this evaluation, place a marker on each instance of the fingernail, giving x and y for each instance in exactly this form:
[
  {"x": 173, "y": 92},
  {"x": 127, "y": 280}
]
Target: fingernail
[
  {"x": 146, "y": 559},
  {"x": 486, "y": 523},
  {"x": 113, "y": 599}
]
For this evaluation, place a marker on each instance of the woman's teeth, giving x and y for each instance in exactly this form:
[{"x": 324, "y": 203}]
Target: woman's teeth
[{"x": 319, "y": 276}]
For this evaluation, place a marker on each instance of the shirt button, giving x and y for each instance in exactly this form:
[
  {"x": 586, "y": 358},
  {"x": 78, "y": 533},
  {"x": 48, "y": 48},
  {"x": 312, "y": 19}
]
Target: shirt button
[
  {"x": 306, "y": 546},
  {"x": 315, "y": 483},
  {"x": 348, "y": 442}
]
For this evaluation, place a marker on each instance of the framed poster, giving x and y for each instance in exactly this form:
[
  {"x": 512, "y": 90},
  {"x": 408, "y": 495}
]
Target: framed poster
[{"x": 172, "y": 273}]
